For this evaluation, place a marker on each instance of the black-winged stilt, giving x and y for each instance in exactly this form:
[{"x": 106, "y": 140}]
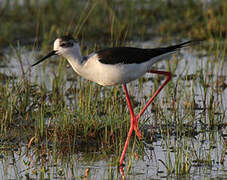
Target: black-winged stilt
[{"x": 113, "y": 66}]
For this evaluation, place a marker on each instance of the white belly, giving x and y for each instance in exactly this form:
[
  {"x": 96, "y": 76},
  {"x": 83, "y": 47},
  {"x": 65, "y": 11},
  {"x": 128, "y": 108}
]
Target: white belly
[{"x": 109, "y": 75}]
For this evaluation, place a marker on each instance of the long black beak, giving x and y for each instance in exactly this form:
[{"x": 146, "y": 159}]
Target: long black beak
[{"x": 45, "y": 57}]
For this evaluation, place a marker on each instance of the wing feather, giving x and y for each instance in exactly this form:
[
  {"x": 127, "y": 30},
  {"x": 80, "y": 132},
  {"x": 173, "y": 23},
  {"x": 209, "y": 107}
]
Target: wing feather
[{"x": 130, "y": 55}]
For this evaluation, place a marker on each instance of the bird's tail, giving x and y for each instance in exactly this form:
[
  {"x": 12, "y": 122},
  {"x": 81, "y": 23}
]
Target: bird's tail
[
  {"x": 186, "y": 44},
  {"x": 165, "y": 53}
]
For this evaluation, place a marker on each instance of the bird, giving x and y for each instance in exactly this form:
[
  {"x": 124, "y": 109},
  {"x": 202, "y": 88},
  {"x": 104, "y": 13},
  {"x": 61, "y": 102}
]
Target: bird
[{"x": 115, "y": 66}]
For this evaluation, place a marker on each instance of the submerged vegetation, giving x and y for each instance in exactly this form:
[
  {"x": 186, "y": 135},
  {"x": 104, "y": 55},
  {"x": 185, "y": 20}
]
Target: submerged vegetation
[{"x": 49, "y": 115}]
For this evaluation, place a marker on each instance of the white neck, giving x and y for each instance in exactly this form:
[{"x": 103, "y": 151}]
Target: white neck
[{"x": 75, "y": 59}]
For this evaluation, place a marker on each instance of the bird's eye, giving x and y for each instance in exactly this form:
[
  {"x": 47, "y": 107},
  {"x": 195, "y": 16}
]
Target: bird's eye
[
  {"x": 63, "y": 44},
  {"x": 66, "y": 44}
]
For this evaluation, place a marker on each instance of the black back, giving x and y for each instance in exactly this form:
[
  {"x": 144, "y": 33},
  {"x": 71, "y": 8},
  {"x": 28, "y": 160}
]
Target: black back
[{"x": 130, "y": 55}]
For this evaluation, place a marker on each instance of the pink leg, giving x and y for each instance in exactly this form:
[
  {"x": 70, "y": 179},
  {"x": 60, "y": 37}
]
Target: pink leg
[{"x": 134, "y": 119}]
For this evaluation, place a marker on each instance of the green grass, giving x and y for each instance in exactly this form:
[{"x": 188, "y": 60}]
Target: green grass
[
  {"x": 110, "y": 23},
  {"x": 60, "y": 115},
  {"x": 70, "y": 115}
]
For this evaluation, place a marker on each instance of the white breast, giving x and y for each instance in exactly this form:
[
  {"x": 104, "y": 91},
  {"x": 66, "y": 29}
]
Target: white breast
[{"x": 108, "y": 74}]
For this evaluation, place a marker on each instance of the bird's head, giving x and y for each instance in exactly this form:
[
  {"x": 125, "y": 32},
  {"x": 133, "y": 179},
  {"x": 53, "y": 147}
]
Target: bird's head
[{"x": 63, "y": 46}]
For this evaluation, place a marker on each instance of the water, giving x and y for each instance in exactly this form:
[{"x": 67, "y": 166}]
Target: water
[
  {"x": 19, "y": 164},
  {"x": 16, "y": 161}
]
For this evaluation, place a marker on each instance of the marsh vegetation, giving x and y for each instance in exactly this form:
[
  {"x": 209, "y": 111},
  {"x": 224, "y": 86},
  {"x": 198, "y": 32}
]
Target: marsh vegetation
[{"x": 55, "y": 124}]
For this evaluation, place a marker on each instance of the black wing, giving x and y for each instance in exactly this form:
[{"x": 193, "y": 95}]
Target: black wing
[{"x": 130, "y": 55}]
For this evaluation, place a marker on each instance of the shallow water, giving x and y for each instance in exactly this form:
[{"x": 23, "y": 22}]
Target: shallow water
[
  {"x": 19, "y": 162},
  {"x": 13, "y": 165}
]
